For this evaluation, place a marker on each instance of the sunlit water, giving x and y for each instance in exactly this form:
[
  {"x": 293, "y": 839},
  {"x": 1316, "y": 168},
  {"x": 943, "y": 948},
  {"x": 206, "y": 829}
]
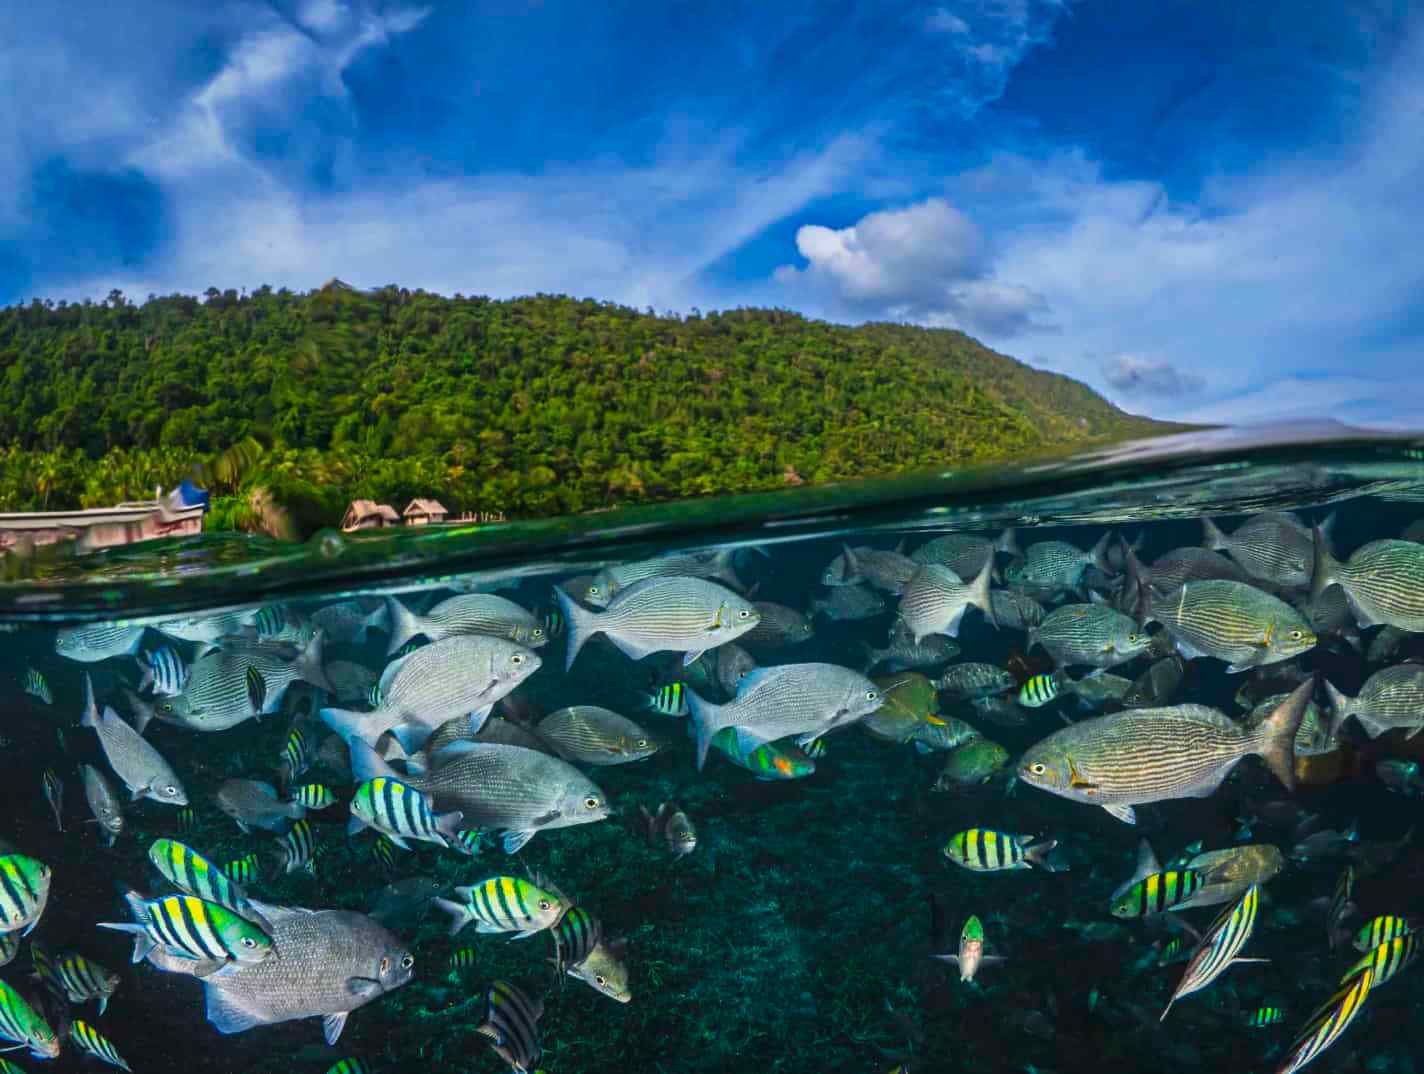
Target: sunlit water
[{"x": 798, "y": 935}]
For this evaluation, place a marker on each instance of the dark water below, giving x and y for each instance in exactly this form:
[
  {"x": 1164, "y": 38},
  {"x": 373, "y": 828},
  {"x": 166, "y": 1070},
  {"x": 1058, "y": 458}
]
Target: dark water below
[{"x": 798, "y": 935}]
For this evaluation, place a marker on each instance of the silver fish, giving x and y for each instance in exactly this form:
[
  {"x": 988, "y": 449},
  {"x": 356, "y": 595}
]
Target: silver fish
[
  {"x": 517, "y": 790},
  {"x": 904, "y": 653},
  {"x": 210, "y": 627},
  {"x": 848, "y": 603},
  {"x": 1231, "y": 621},
  {"x": 587, "y": 734},
  {"x": 254, "y": 804},
  {"x": 468, "y": 613},
  {"x": 1313, "y": 738},
  {"x": 436, "y": 683},
  {"x": 348, "y": 622},
  {"x": 611, "y": 581},
  {"x": 1391, "y": 698},
  {"x": 887, "y": 571},
  {"x": 1057, "y": 565},
  {"x": 663, "y": 614},
  {"x": 98, "y": 641},
  {"x": 1274, "y": 547},
  {"x": 1383, "y": 581},
  {"x": 964, "y": 682},
  {"x": 104, "y": 803},
  {"x": 807, "y": 700},
  {"x": 778, "y": 626},
  {"x": 1015, "y": 611},
  {"x": 141, "y": 767},
  {"x": 733, "y": 665},
  {"x": 243, "y": 680},
  {"x": 1150, "y": 755},
  {"x": 964, "y": 553},
  {"x": 1157, "y": 685},
  {"x": 934, "y": 600},
  {"x": 1091, "y": 634},
  {"x": 350, "y": 681}
]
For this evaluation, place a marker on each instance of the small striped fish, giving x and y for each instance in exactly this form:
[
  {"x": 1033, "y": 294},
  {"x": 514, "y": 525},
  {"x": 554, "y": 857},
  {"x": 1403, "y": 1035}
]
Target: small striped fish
[
  {"x": 553, "y": 622},
  {"x": 35, "y": 684},
  {"x": 188, "y": 870},
  {"x": 374, "y": 696},
  {"x": 816, "y": 750},
  {"x": 20, "y": 1023},
  {"x": 400, "y": 812},
  {"x": 384, "y": 851},
  {"x": 298, "y": 848},
  {"x": 984, "y": 851},
  {"x": 1170, "y": 953},
  {"x": 24, "y": 889},
  {"x": 349, "y": 1065},
  {"x": 9, "y": 947},
  {"x": 54, "y": 795},
  {"x": 164, "y": 673},
  {"x": 503, "y": 904},
  {"x": 467, "y": 841},
  {"x": 1328, "y": 1022},
  {"x": 1041, "y": 689},
  {"x": 1380, "y": 930},
  {"x": 1158, "y": 893},
  {"x": 277, "y": 622},
  {"x": 243, "y": 870},
  {"x": 1264, "y": 1016},
  {"x": 575, "y": 936},
  {"x": 295, "y": 758},
  {"x": 1220, "y": 947},
  {"x": 96, "y": 1044},
  {"x": 191, "y": 927},
  {"x": 670, "y": 700},
  {"x": 1341, "y": 908},
  {"x": 1387, "y": 959},
  {"x": 463, "y": 959},
  {"x": 314, "y": 796},
  {"x": 187, "y": 820},
  {"x": 74, "y": 977},
  {"x": 512, "y": 1025}
]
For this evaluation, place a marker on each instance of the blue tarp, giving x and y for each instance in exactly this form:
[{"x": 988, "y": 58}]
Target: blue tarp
[{"x": 192, "y": 496}]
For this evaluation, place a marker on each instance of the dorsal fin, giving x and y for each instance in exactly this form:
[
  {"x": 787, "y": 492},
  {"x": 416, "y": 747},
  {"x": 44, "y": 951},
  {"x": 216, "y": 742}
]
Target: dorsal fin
[{"x": 1147, "y": 865}]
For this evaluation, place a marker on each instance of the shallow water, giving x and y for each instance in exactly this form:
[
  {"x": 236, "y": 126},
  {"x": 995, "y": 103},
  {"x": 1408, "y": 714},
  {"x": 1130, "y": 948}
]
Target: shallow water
[{"x": 798, "y": 934}]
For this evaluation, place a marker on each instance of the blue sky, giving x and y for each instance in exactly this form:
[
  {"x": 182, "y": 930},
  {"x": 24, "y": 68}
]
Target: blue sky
[{"x": 1205, "y": 210}]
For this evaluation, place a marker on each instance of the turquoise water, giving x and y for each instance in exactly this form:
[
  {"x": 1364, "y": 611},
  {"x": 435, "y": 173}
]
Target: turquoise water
[{"x": 798, "y": 935}]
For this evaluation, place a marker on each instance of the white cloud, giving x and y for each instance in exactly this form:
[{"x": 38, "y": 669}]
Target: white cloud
[
  {"x": 1136, "y": 375},
  {"x": 323, "y": 16},
  {"x": 943, "y": 21}
]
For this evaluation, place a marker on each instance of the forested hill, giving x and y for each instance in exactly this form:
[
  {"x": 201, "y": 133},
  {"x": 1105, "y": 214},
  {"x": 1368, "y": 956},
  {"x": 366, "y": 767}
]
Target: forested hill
[{"x": 531, "y": 406}]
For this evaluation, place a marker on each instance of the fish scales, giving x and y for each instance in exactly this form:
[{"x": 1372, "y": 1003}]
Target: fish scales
[
  {"x": 1233, "y": 621},
  {"x": 1384, "y": 581},
  {"x": 1392, "y": 697},
  {"x": 1273, "y": 546}
]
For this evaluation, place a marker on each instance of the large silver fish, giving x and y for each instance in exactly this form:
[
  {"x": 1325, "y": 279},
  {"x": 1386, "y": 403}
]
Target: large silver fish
[
  {"x": 662, "y": 614},
  {"x": 98, "y": 641},
  {"x": 465, "y": 674},
  {"x": 887, "y": 571},
  {"x": 141, "y": 767},
  {"x": 965, "y": 553},
  {"x": 324, "y": 963},
  {"x": 1231, "y": 621},
  {"x": 517, "y": 790},
  {"x": 244, "y": 679},
  {"x": 779, "y": 626},
  {"x": 848, "y": 603},
  {"x": 107, "y": 808},
  {"x": 1393, "y": 697},
  {"x": 1152, "y": 755},
  {"x": 1383, "y": 581},
  {"x": 604, "y": 586},
  {"x": 807, "y": 700},
  {"x": 468, "y": 613},
  {"x": 1091, "y": 634},
  {"x": 1058, "y": 565},
  {"x": 934, "y": 600},
  {"x": 587, "y": 734},
  {"x": 1274, "y": 547}
]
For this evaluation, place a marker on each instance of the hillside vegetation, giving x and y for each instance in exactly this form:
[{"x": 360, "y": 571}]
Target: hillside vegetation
[{"x": 532, "y": 406}]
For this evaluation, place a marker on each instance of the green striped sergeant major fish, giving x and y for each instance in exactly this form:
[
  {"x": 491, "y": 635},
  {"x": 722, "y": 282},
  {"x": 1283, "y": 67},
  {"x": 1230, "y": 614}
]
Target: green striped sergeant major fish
[
  {"x": 314, "y": 796},
  {"x": 971, "y": 951},
  {"x": 349, "y": 1065},
  {"x": 73, "y": 977},
  {"x": 9, "y": 947},
  {"x": 192, "y": 928},
  {"x": 1172, "y": 951},
  {"x": 384, "y": 853},
  {"x": 466, "y": 613},
  {"x": 1386, "y": 959},
  {"x": 244, "y": 870},
  {"x": 605, "y": 586},
  {"x": 466, "y": 958},
  {"x": 765, "y": 760},
  {"x": 296, "y": 758},
  {"x": 1140, "y": 756},
  {"x": 661, "y": 614},
  {"x": 400, "y": 812},
  {"x": 1262, "y": 1017},
  {"x": 467, "y": 841},
  {"x": 587, "y": 734},
  {"x": 816, "y": 751},
  {"x": 1330, "y": 1019},
  {"x": 1380, "y": 930},
  {"x": 503, "y": 904},
  {"x": 94, "y": 642},
  {"x": 21, "y": 1023},
  {"x": 575, "y": 935},
  {"x": 34, "y": 683},
  {"x": 1383, "y": 581},
  {"x": 162, "y": 672},
  {"x": 511, "y": 1023},
  {"x": 1158, "y": 893},
  {"x": 141, "y": 767},
  {"x": 463, "y": 675},
  {"x": 24, "y": 890},
  {"x": 670, "y": 699},
  {"x": 984, "y": 851},
  {"x": 90, "y": 1040},
  {"x": 935, "y": 599},
  {"x": 189, "y": 871},
  {"x": 277, "y": 622},
  {"x": 807, "y": 700},
  {"x": 1274, "y": 547},
  {"x": 298, "y": 849},
  {"x": 1231, "y": 621},
  {"x": 1091, "y": 634},
  {"x": 1042, "y": 689},
  {"x": 1390, "y": 698},
  {"x": 1220, "y": 947}
]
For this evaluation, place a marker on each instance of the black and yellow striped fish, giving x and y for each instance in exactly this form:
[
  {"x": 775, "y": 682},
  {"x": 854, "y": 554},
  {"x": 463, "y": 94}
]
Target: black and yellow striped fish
[
  {"x": 1328, "y": 1022},
  {"x": 1158, "y": 893},
  {"x": 1220, "y": 946},
  {"x": 314, "y": 796},
  {"x": 512, "y": 1025},
  {"x": 1380, "y": 930},
  {"x": 22, "y": 1024},
  {"x": 401, "y": 812},
  {"x": 986, "y": 851},
  {"x": 1387, "y": 959},
  {"x": 24, "y": 890},
  {"x": 575, "y": 936},
  {"x": 295, "y": 757},
  {"x": 243, "y": 870},
  {"x": 384, "y": 851},
  {"x": 191, "y": 928},
  {"x": 73, "y": 977},
  {"x": 1264, "y": 1016},
  {"x": 195, "y": 874},
  {"x": 298, "y": 848},
  {"x": 1039, "y": 690},
  {"x": 464, "y": 959},
  {"x": 187, "y": 820},
  {"x": 1341, "y": 908},
  {"x": 670, "y": 700},
  {"x": 467, "y": 841},
  {"x": 503, "y": 904},
  {"x": 349, "y": 1065},
  {"x": 96, "y": 1044}
]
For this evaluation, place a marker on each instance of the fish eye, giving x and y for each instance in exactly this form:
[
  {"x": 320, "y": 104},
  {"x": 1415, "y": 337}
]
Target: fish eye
[
  {"x": 598, "y": 977},
  {"x": 545, "y": 904},
  {"x": 590, "y": 802},
  {"x": 1038, "y": 768},
  {"x": 517, "y": 659},
  {"x": 642, "y": 743},
  {"x": 537, "y": 632},
  {"x": 167, "y": 706},
  {"x": 593, "y": 591},
  {"x": 249, "y": 942},
  {"x": 743, "y": 614},
  {"x": 407, "y": 962},
  {"x": 1296, "y": 635},
  {"x": 871, "y": 695},
  {"x": 1132, "y": 637},
  {"x": 385, "y": 965}
]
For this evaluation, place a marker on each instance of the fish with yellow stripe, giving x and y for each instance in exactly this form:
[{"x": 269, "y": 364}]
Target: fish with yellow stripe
[
  {"x": 1387, "y": 959},
  {"x": 1158, "y": 893},
  {"x": 1380, "y": 930},
  {"x": 1220, "y": 947},
  {"x": 190, "y": 927},
  {"x": 1262, "y": 1017},
  {"x": 511, "y": 1023},
  {"x": 982, "y": 850},
  {"x": 503, "y": 904},
  {"x": 400, "y": 812},
  {"x": 185, "y": 868},
  {"x": 1327, "y": 1023},
  {"x": 24, "y": 891},
  {"x": 96, "y": 1044},
  {"x": 22, "y": 1024},
  {"x": 73, "y": 977}
]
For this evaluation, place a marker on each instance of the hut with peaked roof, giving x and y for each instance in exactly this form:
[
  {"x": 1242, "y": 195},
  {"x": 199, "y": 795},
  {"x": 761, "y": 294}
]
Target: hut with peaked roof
[
  {"x": 368, "y": 515},
  {"x": 423, "y": 512}
]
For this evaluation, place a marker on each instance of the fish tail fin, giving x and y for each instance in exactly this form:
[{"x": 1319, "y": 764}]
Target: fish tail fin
[
  {"x": 1273, "y": 739},
  {"x": 872, "y": 656},
  {"x": 310, "y": 664},
  {"x": 979, "y": 593},
  {"x": 1325, "y": 568},
  {"x": 448, "y": 824},
  {"x": 351, "y": 725},
  {"x": 145, "y": 677},
  {"x": 91, "y": 711},
  {"x": 705, "y": 721},
  {"x": 460, "y": 915},
  {"x": 1030, "y": 637},
  {"x": 1037, "y": 854},
  {"x": 1212, "y": 537},
  {"x": 1100, "y": 553},
  {"x": 1007, "y": 543},
  {"x": 380, "y": 619},
  {"x": 404, "y": 624},
  {"x": 1139, "y": 582},
  {"x": 1327, "y": 532},
  {"x": 1339, "y": 707},
  {"x": 366, "y": 763},
  {"x": 724, "y": 569},
  {"x": 582, "y": 625}
]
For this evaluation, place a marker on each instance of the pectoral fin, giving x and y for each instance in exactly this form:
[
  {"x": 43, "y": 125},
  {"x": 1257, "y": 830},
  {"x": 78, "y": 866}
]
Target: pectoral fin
[
  {"x": 332, "y": 1025},
  {"x": 1123, "y": 813},
  {"x": 362, "y": 987}
]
